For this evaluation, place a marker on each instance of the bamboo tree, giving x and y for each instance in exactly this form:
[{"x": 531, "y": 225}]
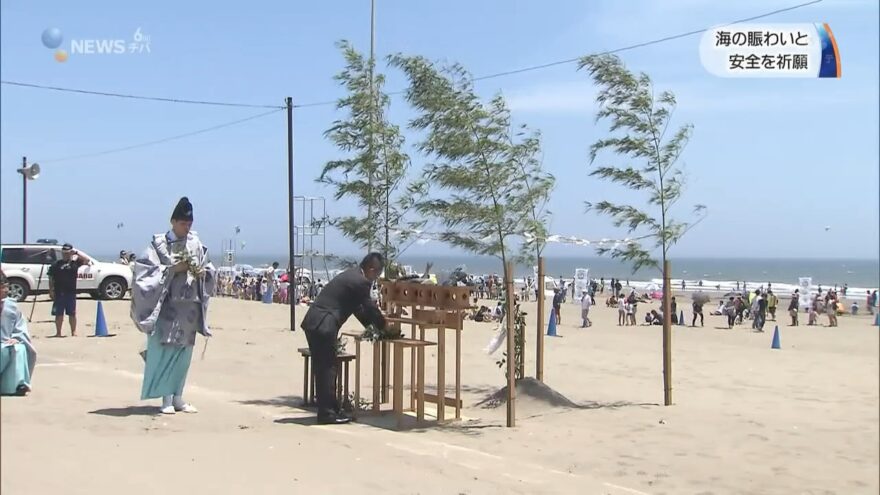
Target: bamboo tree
[
  {"x": 538, "y": 184},
  {"x": 488, "y": 187},
  {"x": 628, "y": 101},
  {"x": 375, "y": 173},
  {"x": 479, "y": 195}
]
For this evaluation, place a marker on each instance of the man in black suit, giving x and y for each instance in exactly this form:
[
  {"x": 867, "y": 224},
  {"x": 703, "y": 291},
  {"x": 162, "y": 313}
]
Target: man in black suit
[{"x": 348, "y": 293}]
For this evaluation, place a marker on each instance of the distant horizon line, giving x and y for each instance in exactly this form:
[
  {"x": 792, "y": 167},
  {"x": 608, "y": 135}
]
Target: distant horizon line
[{"x": 567, "y": 256}]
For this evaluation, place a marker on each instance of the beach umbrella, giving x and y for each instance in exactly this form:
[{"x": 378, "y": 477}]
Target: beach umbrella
[{"x": 700, "y": 297}]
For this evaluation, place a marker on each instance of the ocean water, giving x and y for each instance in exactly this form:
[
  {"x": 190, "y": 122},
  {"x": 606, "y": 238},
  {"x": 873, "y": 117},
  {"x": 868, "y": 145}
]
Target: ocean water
[{"x": 857, "y": 274}]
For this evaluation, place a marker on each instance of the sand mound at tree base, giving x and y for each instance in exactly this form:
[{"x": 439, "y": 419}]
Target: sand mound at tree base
[{"x": 531, "y": 393}]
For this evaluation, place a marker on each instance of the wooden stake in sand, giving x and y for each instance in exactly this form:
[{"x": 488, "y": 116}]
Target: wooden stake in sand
[
  {"x": 539, "y": 341},
  {"x": 205, "y": 348},
  {"x": 667, "y": 336},
  {"x": 511, "y": 348}
]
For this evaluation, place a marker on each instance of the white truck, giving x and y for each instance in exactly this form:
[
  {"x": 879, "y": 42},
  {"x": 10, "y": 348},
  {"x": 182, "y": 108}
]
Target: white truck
[{"x": 26, "y": 267}]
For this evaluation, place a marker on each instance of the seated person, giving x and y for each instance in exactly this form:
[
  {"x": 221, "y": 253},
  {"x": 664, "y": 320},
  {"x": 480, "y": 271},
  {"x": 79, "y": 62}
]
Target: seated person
[
  {"x": 611, "y": 302},
  {"x": 17, "y": 354},
  {"x": 483, "y": 314},
  {"x": 653, "y": 317}
]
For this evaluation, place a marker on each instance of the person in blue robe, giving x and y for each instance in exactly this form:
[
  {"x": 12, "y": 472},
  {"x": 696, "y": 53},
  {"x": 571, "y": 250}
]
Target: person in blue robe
[
  {"x": 17, "y": 353},
  {"x": 173, "y": 282}
]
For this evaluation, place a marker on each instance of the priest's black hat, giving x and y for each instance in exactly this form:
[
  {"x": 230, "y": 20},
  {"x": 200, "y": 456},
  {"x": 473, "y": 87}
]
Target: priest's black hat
[{"x": 183, "y": 210}]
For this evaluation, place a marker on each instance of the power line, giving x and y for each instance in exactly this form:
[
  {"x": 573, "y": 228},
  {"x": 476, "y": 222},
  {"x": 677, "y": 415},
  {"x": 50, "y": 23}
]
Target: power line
[
  {"x": 163, "y": 140},
  {"x": 607, "y": 52},
  {"x": 137, "y": 97},
  {"x": 643, "y": 44},
  {"x": 480, "y": 78}
]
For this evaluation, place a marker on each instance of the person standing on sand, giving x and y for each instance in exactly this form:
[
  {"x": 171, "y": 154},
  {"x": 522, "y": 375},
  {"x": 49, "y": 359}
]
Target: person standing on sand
[
  {"x": 586, "y": 303},
  {"x": 698, "y": 311},
  {"x": 871, "y": 301},
  {"x": 173, "y": 282},
  {"x": 558, "y": 297},
  {"x": 270, "y": 283},
  {"x": 673, "y": 307},
  {"x": 730, "y": 311},
  {"x": 772, "y": 302},
  {"x": 793, "y": 307},
  {"x": 760, "y": 311},
  {"x": 346, "y": 294},
  {"x": 62, "y": 286}
]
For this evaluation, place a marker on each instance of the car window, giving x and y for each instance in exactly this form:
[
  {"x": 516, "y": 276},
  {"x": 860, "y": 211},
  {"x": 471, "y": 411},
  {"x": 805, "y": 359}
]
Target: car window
[
  {"x": 32, "y": 256},
  {"x": 13, "y": 255},
  {"x": 40, "y": 256}
]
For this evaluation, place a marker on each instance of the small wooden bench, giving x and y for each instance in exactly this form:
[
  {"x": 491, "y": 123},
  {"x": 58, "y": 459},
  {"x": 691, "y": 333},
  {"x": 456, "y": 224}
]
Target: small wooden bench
[{"x": 342, "y": 364}]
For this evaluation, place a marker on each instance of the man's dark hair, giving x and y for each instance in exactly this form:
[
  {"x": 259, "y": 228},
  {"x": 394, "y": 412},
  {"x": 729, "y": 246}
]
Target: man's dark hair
[
  {"x": 373, "y": 258},
  {"x": 275, "y": 265}
]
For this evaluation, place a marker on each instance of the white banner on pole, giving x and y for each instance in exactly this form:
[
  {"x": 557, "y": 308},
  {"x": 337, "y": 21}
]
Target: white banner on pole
[
  {"x": 581, "y": 282},
  {"x": 804, "y": 284}
]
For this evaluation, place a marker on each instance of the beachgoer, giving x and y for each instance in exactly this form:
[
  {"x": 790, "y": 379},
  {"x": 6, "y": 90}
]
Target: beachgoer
[
  {"x": 62, "y": 286},
  {"x": 174, "y": 280},
  {"x": 730, "y": 311},
  {"x": 761, "y": 311},
  {"x": 17, "y": 353},
  {"x": 793, "y": 307},
  {"x": 772, "y": 302},
  {"x": 698, "y": 311},
  {"x": 558, "y": 297},
  {"x": 269, "y": 278},
  {"x": 586, "y": 302},
  {"x": 673, "y": 307}
]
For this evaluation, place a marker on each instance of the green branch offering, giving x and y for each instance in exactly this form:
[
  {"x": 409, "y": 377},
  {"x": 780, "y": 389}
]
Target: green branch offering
[
  {"x": 373, "y": 334},
  {"x": 192, "y": 265}
]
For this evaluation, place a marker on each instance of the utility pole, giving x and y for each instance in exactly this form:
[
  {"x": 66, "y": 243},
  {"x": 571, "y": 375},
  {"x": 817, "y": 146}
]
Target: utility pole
[
  {"x": 24, "y": 180},
  {"x": 27, "y": 173},
  {"x": 288, "y": 102}
]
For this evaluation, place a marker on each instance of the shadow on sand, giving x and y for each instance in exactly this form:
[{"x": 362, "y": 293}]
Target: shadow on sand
[
  {"x": 282, "y": 401},
  {"x": 124, "y": 412},
  {"x": 540, "y": 394}
]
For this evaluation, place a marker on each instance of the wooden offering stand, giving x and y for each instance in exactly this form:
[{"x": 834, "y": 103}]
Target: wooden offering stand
[{"x": 430, "y": 307}]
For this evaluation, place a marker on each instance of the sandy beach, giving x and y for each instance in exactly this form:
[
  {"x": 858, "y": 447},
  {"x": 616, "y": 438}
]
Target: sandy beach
[{"x": 746, "y": 419}]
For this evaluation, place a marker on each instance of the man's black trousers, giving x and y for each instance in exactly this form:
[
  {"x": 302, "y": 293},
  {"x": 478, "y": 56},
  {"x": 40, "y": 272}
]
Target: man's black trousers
[{"x": 322, "y": 345}]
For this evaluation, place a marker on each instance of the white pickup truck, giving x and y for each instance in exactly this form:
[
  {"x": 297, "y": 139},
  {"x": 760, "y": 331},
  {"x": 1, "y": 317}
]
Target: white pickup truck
[{"x": 26, "y": 266}]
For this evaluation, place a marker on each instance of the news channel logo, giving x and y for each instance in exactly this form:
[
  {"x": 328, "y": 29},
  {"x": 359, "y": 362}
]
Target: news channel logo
[{"x": 53, "y": 39}]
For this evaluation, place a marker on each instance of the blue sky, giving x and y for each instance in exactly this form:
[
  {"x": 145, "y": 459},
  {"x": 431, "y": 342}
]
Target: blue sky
[{"x": 775, "y": 160}]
